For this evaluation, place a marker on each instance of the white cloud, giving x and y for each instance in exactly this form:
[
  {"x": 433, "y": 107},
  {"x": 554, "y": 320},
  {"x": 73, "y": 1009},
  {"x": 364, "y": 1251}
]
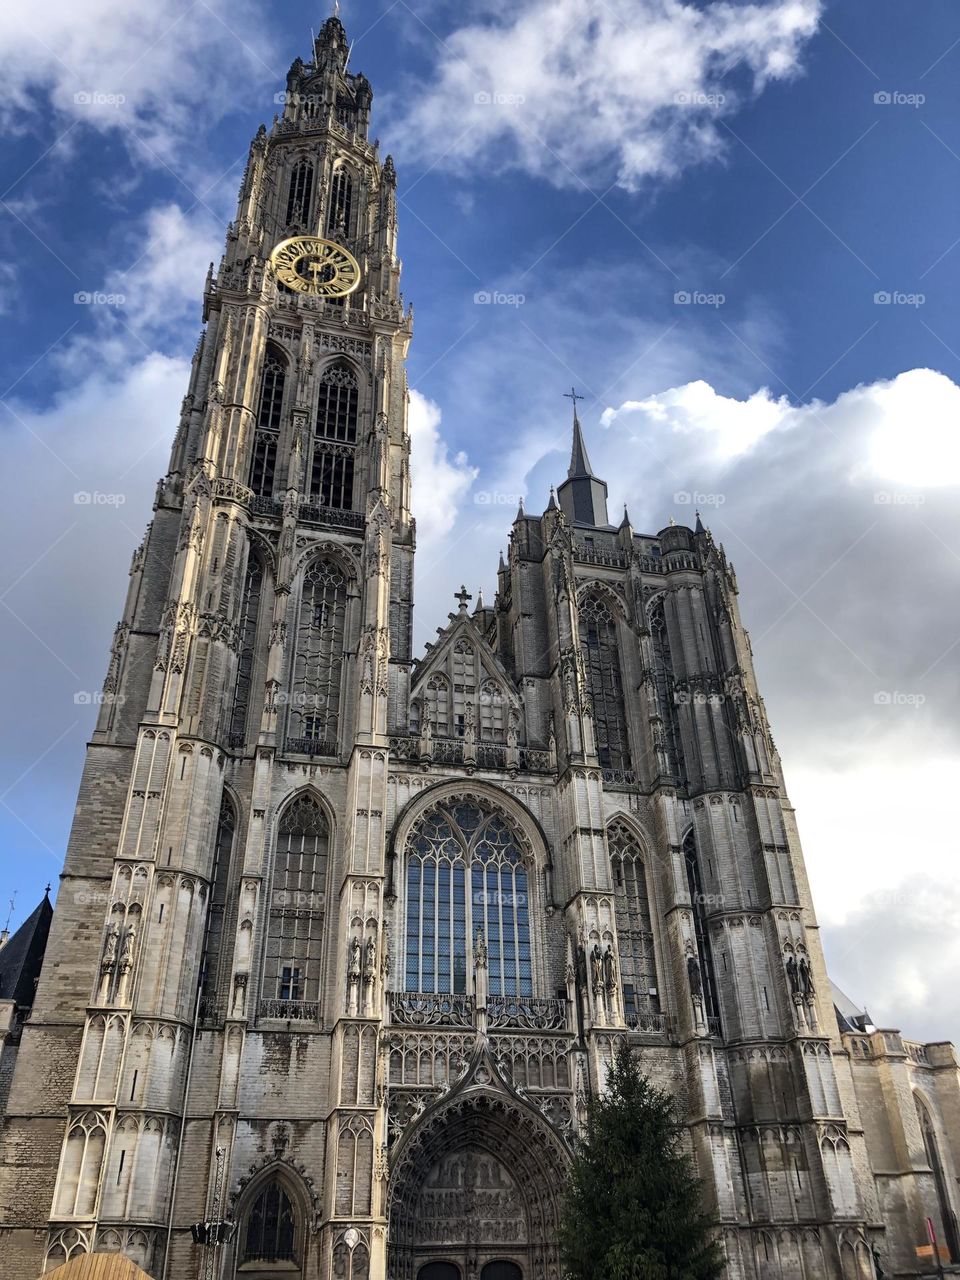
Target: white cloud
[
  {"x": 439, "y": 481},
  {"x": 575, "y": 94},
  {"x": 156, "y": 72}
]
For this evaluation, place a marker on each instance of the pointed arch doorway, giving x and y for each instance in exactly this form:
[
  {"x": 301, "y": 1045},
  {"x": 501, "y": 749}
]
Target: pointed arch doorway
[{"x": 475, "y": 1192}]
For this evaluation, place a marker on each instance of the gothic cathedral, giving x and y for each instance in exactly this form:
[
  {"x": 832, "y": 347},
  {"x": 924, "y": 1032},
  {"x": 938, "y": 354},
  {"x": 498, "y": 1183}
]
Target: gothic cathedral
[{"x": 347, "y": 938}]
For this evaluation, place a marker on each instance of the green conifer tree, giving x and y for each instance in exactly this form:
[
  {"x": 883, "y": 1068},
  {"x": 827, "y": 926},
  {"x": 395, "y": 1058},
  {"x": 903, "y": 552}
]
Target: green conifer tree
[{"x": 634, "y": 1209}]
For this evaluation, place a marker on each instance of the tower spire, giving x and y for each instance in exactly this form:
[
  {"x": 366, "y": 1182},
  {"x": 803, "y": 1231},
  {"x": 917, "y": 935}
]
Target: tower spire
[{"x": 583, "y": 497}]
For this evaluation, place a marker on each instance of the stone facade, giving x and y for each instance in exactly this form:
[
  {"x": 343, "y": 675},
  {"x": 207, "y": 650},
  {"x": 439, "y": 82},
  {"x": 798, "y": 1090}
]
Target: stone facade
[{"x": 345, "y": 939}]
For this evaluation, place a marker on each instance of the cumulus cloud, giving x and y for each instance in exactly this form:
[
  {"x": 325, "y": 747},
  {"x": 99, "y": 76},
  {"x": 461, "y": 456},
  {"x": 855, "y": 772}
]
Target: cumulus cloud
[
  {"x": 439, "y": 480},
  {"x": 577, "y": 94},
  {"x": 151, "y": 72}
]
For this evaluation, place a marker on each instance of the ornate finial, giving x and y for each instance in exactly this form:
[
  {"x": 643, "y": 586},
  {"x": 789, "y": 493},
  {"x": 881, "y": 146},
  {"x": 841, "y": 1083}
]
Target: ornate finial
[
  {"x": 463, "y": 595},
  {"x": 479, "y": 599}
]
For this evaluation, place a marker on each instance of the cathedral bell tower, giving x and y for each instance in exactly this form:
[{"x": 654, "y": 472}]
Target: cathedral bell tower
[{"x": 265, "y": 639}]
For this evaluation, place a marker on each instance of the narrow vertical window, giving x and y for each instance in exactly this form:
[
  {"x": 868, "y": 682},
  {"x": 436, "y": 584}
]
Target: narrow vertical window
[
  {"x": 314, "y": 715},
  {"x": 249, "y": 615},
  {"x": 297, "y": 903},
  {"x": 266, "y": 438},
  {"x": 341, "y": 203},
  {"x": 598, "y": 636},
  {"x": 300, "y": 194},
  {"x": 219, "y": 881},
  {"x": 663, "y": 684},
  {"x": 638, "y": 969},
  {"x": 698, "y": 900},
  {"x": 335, "y": 438}
]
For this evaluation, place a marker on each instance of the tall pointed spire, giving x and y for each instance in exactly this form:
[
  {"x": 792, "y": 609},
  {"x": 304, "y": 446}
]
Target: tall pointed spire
[{"x": 583, "y": 497}]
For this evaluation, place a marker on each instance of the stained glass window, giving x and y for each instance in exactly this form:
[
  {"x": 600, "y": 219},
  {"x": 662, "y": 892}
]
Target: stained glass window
[{"x": 465, "y": 873}]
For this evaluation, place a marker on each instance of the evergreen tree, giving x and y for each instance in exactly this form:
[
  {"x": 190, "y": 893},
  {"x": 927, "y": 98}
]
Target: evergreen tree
[{"x": 634, "y": 1209}]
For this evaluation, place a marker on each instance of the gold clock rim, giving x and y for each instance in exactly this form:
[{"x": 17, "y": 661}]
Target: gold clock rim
[{"x": 339, "y": 293}]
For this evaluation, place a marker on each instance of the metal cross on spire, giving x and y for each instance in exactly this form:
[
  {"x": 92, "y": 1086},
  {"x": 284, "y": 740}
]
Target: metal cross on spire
[{"x": 572, "y": 395}]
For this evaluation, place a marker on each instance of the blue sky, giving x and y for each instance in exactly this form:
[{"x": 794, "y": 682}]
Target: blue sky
[{"x": 619, "y": 154}]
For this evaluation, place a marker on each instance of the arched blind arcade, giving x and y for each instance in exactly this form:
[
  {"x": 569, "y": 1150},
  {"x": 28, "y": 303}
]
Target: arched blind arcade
[{"x": 465, "y": 873}]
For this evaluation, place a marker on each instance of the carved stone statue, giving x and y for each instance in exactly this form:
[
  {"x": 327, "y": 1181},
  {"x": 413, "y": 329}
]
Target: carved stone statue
[
  {"x": 355, "y": 958},
  {"x": 370, "y": 960},
  {"x": 694, "y": 978},
  {"x": 480, "y": 951},
  {"x": 126, "y": 950},
  {"x": 581, "y": 967},
  {"x": 596, "y": 961},
  {"x": 793, "y": 975},
  {"x": 610, "y": 969},
  {"x": 110, "y": 949},
  {"x": 806, "y": 978}
]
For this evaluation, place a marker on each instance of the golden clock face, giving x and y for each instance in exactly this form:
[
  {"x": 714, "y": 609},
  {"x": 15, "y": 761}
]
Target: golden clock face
[{"x": 319, "y": 267}]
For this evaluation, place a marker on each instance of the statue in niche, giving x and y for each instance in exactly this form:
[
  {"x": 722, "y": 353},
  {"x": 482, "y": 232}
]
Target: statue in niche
[
  {"x": 355, "y": 959},
  {"x": 370, "y": 960},
  {"x": 806, "y": 978},
  {"x": 126, "y": 950},
  {"x": 110, "y": 949},
  {"x": 596, "y": 961},
  {"x": 793, "y": 975},
  {"x": 694, "y": 977},
  {"x": 581, "y": 968},
  {"x": 610, "y": 969}
]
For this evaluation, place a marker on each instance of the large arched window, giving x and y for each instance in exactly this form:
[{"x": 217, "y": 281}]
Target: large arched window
[
  {"x": 291, "y": 983},
  {"x": 465, "y": 874},
  {"x": 263, "y": 464},
  {"x": 341, "y": 202},
  {"x": 300, "y": 194},
  {"x": 711, "y": 1004},
  {"x": 335, "y": 438},
  {"x": 249, "y": 615},
  {"x": 219, "y": 882},
  {"x": 638, "y": 966},
  {"x": 931, "y": 1147},
  {"x": 598, "y": 635},
  {"x": 314, "y": 713},
  {"x": 271, "y": 1228}
]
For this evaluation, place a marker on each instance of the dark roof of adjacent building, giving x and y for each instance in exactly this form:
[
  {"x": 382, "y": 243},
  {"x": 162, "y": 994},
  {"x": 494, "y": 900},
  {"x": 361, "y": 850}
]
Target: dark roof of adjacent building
[
  {"x": 22, "y": 956},
  {"x": 849, "y": 1017}
]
